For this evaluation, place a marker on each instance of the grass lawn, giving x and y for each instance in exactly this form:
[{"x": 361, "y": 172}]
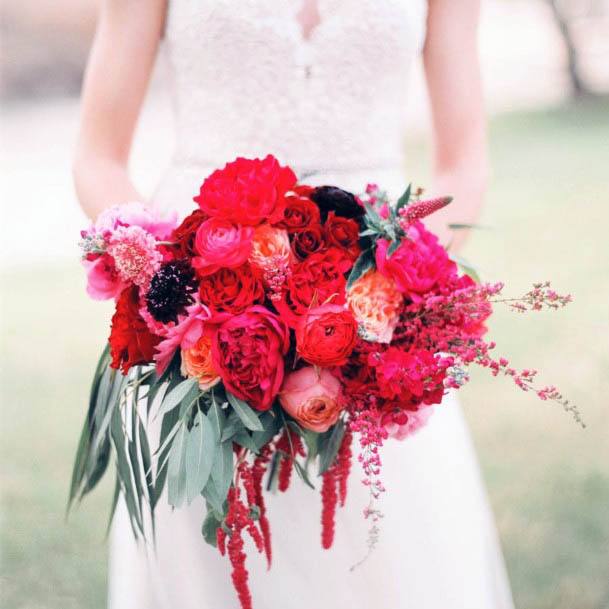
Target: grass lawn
[{"x": 548, "y": 212}]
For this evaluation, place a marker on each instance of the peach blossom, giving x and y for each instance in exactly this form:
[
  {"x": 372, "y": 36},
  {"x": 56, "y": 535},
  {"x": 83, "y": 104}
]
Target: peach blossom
[
  {"x": 375, "y": 303},
  {"x": 311, "y": 397}
]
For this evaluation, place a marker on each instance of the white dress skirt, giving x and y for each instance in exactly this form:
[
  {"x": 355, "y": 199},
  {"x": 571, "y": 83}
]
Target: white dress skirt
[{"x": 246, "y": 83}]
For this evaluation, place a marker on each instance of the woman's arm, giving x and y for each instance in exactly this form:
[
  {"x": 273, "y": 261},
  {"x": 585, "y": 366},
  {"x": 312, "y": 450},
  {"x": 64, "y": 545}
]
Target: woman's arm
[
  {"x": 116, "y": 80},
  {"x": 455, "y": 91}
]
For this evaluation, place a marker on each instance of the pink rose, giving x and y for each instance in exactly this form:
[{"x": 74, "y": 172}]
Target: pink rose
[
  {"x": 221, "y": 244},
  {"x": 103, "y": 281},
  {"x": 311, "y": 397},
  {"x": 418, "y": 265}
]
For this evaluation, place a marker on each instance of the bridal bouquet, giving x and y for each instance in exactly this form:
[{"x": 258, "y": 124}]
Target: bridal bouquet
[{"x": 278, "y": 327}]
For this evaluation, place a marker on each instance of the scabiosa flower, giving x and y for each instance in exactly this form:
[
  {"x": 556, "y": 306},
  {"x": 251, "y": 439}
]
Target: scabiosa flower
[
  {"x": 171, "y": 290},
  {"x": 135, "y": 255}
]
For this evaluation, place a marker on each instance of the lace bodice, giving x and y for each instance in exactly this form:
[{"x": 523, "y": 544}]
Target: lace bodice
[{"x": 247, "y": 81}]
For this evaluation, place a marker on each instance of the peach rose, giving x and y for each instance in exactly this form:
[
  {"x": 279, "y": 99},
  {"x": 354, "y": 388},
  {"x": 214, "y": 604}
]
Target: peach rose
[
  {"x": 311, "y": 397},
  {"x": 270, "y": 244},
  {"x": 196, "y": 363},
  {"x": 375, "y": 303}
]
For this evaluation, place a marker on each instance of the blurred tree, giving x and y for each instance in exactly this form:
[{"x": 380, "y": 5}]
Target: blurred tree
[{"x": 566, "y": 14}]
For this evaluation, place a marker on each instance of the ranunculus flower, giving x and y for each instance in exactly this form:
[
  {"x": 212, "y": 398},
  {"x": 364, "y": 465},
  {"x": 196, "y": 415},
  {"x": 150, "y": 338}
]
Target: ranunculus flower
[
  {"x": 312, "y": 398},
  {"x": 232, "y": 290},
  {"x": 247, "y": 191},
  {"x": 248, "y": 351},
  {"x": 270, "y": 247},
  {"x": 326, "y": 335},
  {"x": 103, "y": 280},
  {"x": 183, "y": 237},
  {"x": 375, "y": 303},
  {"x": 197, "y": 363},
  {"x": 343, "y": 233},
  {"x": 308, "y": 241},
  {"x": 131, "y": 342},
  {"x": 418, "y": 265},
  {"x": 300, "y": 212},
  {"x": 318, "y": 279},
  {"x": 221, "y": 244}
]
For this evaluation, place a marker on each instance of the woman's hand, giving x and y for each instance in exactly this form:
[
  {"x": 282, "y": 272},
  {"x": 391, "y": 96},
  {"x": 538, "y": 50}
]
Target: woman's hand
[
  {"x": 453, "y": 78},
  {"x": 116, "y": 79}
]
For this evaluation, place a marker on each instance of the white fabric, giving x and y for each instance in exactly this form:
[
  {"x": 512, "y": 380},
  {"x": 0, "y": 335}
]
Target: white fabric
[{"x": 245, "y": 82}]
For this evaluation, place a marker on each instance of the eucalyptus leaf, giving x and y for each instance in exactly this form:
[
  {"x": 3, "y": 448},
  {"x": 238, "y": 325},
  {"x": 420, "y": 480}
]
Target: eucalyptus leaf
[
  {"x": 329, "y": 446},
  {"x": 176, "y": 395},
  {"x": 210, "y": 528},
  {"x": 222, "y": 470},
  {"x": 302, "y": 473},
  {"x": 201, "y": 448},
  {"x": 244, "y": 439},
  {"x": 362, "y": 265},
  {"x": 176, "y": 472},
  {"x": 244, "y": 412},
  {"x": 467, "y": 267}
]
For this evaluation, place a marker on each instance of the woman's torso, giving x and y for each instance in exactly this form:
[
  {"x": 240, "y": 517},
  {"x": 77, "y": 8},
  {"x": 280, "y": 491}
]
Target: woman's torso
[{"x": 246, "y": 81}]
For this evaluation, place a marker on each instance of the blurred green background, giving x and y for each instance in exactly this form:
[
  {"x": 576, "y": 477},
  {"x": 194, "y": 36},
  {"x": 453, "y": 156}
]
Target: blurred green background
[{"x": 546, "y": 217}]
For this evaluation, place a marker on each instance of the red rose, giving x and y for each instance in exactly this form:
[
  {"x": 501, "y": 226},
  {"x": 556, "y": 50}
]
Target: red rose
[
  {"x": 300, "y": 212},
  {"x": 183, "y": 236},
  {"x": 326, "y": 335},
  {"x": 247, "y": 191},
  {"x": 344, "y": 233},
  {"x": 308, "y": 241},
  {"x": 232, "y": 290},
  {"x": 131, "y": 342},
  {"x": 248, "y": 351},
  {"x": 418, "y": 265},
  {"x": 317, "y": 280}
]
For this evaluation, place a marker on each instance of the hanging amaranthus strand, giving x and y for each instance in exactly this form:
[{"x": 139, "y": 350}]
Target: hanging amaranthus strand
[
  {"x": 290, "y": 445},
  {"x": 259, "y": 469}
]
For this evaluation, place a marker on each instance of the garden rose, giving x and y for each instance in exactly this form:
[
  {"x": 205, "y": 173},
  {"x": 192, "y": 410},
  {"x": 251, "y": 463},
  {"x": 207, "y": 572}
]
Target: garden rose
[
  {"x": 343, "y": 233},
  {"x": 131, "y": 342},
  {"x": 418, "y": 265},
  {"x": 247, "y": 191},
  {"x": 232, "y": 290},
  {"x": 248, "y": 351},
  {"x": 270, "y": 246},
  {"x": 312, "y": 398},
  {"x": 183, "y": 237},
  {"x": 326, "y": 335},
  {"x": 375, "y": 303},
  {"x": 197, "y": 363},
  {"x": 300, "y": 212},
  {"x": 221, "y": 244},
  {"x": 308, "y": 241}
]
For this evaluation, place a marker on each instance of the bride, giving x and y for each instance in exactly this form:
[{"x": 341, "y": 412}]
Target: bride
[{"x": 322, "y": 85}]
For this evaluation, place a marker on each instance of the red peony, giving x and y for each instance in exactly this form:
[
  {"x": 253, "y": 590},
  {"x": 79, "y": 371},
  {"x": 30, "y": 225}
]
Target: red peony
[
  {"x": 418, "y": 265},
  {"x": 317, "y": 280},
  {"x": 183, "y": 236},
  {"x": 343, "y": 233},
  {"x": 247, "y": 191},
  {"x": 308, "y": 241},
  {"x": 300, "y": 212},
  {"x": 131, "y": 342},
  {"x": 248, "y": 351},
  {"x": 232, "y": 290},
  {"x": 326, "y": 335}
]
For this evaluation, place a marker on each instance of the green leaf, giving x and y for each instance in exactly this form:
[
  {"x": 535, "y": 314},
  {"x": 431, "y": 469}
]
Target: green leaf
[
  {"x": 271, "y": 425},
  {"x": 403, "y": 200},
  {"x": 216, "y": 416},
  {"x": 466, "y": 267},
  {"x": 244, "y": 412},
  {"x": 244, "y": 439},
  {"x": 169, "y": 426},
  {"x": 210, "y": 528},
  {"x": 222, "y": 470},
  {"x": 362, "y": 265},
  {"x": 176, "y": 472},
  {"x": 464, "y": 226},
  {"x": 393, "y": 248},
  {"x": 372, "y": 215},
  {"x": 232, "y": 426},
  {"x": 201, "y": 448},
  {"x": 176, "y": 395},
  {"x": 302, "y": 473},
  {"x": 329, "y": 445}
]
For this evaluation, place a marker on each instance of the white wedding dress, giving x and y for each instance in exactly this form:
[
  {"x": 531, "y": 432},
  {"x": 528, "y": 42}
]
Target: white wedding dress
[{"x": 246, "y": 81}]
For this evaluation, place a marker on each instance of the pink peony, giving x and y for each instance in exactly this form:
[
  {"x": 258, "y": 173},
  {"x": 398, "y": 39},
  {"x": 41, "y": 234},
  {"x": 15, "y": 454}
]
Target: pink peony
[
  {"x": 221, "y": 244},
  {"x": 418, "y": 265},
  {"x": 135, "y": 213},
  {"x": 311, "y": 397},
  {"x": 103, "y": 280}
]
